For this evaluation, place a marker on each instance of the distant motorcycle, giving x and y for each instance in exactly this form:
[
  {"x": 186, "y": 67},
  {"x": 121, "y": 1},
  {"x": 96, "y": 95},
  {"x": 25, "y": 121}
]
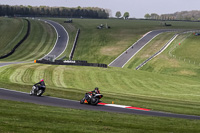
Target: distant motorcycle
[
  {"x": 36, "y": 91},
  {"x": 92, "y": 99}
]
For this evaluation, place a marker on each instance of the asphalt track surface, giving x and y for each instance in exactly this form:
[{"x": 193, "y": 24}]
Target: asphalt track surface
[
  {"x": 61, "y": 42},
  {"x": 58, "y": 102},
  {"x": 121, "y": 60},
  {"x": 9, "y": 63}
]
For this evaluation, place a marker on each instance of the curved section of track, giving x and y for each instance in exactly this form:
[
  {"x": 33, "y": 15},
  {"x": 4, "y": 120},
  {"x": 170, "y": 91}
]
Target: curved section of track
[
  {"x": 52, "y": 101},
  {"x": 62, "y": 39}
]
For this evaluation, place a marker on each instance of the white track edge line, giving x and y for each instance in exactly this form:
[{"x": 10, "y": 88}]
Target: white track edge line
[
  {"x": 141, "y": 49},
  {"x": 129, "y": 47},
  {"x": 56, "y": 39}
]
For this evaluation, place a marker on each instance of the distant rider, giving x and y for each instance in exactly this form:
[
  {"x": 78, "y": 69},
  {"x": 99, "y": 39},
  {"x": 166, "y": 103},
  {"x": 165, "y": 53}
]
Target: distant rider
[{"x": 41, "y": 84}]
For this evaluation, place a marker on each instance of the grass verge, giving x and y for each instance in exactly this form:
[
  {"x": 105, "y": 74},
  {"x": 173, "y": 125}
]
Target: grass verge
[
  {"x": 23, "y": 117},
  {"x": 12, "y": 31}
]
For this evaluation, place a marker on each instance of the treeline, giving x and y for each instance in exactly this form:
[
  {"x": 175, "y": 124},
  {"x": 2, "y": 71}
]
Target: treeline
[
  {"x": 89, "y": 12},
  {"x": 183, "y": 15}
]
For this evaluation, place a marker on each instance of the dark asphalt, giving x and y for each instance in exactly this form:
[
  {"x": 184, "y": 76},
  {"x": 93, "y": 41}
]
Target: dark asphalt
[
  {"x": 62, "y": 40},
  {"x": 9, "y": 63},
  {"x": 121, "y": 60},
  {"x": 51, "y": 101}
]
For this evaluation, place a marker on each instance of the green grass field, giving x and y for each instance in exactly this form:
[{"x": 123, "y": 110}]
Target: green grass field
[
  {"x": 165, "y": 83},
  {"x": 20, "y": 117},
  {"x": 183, "y": 60},
  {"x": 12, "y": 31}
]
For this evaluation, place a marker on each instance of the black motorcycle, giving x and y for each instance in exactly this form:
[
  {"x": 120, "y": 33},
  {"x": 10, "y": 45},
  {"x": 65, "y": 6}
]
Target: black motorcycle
[
  {"x": 92, "y": 99},
  {"x": 37, "y": 91}
]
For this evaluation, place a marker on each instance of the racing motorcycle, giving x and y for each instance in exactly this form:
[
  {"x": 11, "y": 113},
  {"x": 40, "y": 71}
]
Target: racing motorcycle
[
  {"x": 36, "y": 91},
  {"x": 92, "y": 99}
]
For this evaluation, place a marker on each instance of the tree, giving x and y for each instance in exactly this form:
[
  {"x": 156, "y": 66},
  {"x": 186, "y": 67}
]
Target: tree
[
  {"x": 126, "y": 15},
  {"x": 154, "y": 16},
  {"x": 118, "y": 14},
  {"x": 147, "y": 16},
  {"x": 90, "y": 12}
]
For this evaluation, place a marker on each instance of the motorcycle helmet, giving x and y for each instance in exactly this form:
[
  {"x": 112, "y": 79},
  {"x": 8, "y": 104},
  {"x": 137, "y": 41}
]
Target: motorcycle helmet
[
  {"x": 41, "y": 80},
  {"x": 97, "y": 88}
]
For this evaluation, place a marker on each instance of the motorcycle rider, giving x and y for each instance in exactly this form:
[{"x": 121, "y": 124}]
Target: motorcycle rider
[
  {"x": 95, "y": 91},
  {"x": 41, "y": 84}
]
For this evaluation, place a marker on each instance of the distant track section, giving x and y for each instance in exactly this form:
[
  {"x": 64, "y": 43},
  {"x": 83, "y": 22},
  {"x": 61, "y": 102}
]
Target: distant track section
[
  {"x": 121, "y": 60},
  {"x": 61, "y": 42},
  {"x": 157, "y": 53}
]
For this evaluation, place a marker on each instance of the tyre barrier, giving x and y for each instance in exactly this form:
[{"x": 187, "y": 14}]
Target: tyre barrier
[
  {"x": 20, "y": 42},
  {"x": 70, "y": 62}
]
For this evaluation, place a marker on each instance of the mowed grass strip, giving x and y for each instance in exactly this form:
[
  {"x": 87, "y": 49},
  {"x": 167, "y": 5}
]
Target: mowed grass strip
[
  {"x": 123, "y": 86},
  {"x": 27, "y": 117},
  {"x": 189, "y": 49},
  {"x": 40, "y": 41},
  {"x": 178, "y": 59},
  {"x": 12, "y": 30}
]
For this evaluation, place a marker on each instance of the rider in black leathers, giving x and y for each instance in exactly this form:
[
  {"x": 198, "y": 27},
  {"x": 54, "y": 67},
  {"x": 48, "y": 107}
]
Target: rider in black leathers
[
  {"x": 41, "y": 85},
  {"x": 95, "y": 91}
]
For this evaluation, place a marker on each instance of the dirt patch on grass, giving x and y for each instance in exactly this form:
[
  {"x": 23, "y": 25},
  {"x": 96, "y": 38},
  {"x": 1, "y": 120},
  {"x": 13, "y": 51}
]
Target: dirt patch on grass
[
  {"x": 174, "y": 63},
  {"x": 111, "y": 50},
  {"x": 187, "y": 72}
]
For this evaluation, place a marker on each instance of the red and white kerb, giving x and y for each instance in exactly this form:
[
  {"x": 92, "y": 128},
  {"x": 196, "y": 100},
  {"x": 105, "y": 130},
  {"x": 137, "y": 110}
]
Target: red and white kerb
[{"x": 123, "y": 106}]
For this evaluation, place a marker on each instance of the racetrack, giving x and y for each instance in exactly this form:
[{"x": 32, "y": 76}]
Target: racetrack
[
  {"x": 60, "y": 45},
  {"x": 59, "y": 102},
  {"x": 62, "y": 39},
  {"x": 121, "y": 60}
]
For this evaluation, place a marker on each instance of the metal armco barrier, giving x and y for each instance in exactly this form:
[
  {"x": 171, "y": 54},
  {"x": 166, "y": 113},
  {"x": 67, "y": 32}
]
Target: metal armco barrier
[
  {"x": 71, "y": 62},
  {"x": 74, "y": 46}
]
